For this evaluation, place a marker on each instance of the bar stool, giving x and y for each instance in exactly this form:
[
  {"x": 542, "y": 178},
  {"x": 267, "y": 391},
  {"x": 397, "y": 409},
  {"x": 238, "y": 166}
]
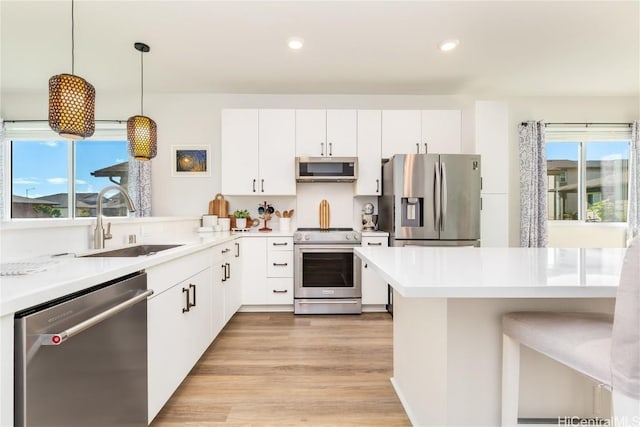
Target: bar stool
[{"x": 603, "y": 347}]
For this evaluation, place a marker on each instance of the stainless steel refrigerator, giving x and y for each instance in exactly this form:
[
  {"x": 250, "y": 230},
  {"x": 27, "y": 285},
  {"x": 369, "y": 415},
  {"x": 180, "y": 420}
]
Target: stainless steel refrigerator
[{"x": 431, "y": 200}]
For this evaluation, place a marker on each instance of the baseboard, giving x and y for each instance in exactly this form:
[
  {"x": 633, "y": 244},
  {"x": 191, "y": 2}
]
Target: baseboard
[{"x": 266, "y": 308}]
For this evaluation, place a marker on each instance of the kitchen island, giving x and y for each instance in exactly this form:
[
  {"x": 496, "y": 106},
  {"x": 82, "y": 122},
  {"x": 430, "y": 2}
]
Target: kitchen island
[{"x": 447, "y": 307}]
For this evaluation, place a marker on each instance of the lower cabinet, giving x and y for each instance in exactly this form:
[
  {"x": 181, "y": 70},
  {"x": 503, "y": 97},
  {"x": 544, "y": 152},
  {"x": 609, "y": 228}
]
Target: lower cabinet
[
  {"x": 267, "y": 271},
  {"x": 227, "y": 286},
  {"x": 180, "y": 329},
  {"x": 374, "y": 288}
]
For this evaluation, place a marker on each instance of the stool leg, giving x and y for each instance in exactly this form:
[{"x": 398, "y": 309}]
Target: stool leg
[{"x": 510, "y": 380}]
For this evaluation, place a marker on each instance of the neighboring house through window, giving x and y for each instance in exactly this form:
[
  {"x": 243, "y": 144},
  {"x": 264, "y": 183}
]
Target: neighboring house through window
[{"x": 587, "y": 172}]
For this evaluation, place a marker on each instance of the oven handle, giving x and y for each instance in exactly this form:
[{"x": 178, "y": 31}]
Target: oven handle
[
  {"x": 59, "y": 338},
  {"x": 326, "y": 301}
]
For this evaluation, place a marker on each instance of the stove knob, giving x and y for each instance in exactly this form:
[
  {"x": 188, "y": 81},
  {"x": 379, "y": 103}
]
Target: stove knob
[
  {"x": 296, "y": 237},
  {"x": 348, "y": 236},
  {"x": 354, "y": 236},
  {"x": 307, "y": 237}
]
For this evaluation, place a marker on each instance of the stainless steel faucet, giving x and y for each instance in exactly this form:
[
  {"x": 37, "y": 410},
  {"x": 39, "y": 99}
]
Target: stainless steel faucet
[{"x": 99, "y": 235}]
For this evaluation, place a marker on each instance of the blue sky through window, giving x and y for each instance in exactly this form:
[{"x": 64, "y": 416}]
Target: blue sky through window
[{"x": 40, "y": 168}]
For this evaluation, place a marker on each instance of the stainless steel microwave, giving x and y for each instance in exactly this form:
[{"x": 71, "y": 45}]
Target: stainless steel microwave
[{"x": 326, "y": 169}]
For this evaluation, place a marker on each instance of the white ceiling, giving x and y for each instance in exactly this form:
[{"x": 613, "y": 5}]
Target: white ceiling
[{"x": 357, "y": 47}]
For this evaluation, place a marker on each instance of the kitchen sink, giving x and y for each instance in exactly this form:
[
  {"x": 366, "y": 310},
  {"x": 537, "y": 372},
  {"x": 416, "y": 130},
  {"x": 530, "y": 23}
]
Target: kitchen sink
[{"x": 132, "y": 251}]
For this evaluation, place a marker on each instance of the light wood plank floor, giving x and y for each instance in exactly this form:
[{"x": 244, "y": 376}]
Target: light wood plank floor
[{"x": 280, "y": 369}]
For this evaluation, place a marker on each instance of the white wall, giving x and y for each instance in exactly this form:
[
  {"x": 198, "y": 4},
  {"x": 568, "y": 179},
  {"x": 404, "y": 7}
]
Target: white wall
[{"x": 194, "y": 119}]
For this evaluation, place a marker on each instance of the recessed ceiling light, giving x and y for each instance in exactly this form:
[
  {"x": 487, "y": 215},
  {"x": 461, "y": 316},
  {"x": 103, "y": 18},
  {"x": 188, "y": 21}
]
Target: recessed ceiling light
[
  {"x": 449, "y": 45},
  {"x": 295, "y": 43}
]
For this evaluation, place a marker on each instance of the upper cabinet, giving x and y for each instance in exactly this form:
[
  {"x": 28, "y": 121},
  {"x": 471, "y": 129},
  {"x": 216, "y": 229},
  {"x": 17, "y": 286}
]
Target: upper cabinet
[
  {"x": 326, "y": 133},
  {"x": 420, "y": 131},
  {"x": 258, "y": 152},
  {"x": 369, "y": 182}
]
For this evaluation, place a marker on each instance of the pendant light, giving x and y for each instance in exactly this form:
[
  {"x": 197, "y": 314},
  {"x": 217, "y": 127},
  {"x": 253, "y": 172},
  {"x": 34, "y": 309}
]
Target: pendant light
[
  {"x": 142, "y": 131},
  {"x": 72, "y": 101}
]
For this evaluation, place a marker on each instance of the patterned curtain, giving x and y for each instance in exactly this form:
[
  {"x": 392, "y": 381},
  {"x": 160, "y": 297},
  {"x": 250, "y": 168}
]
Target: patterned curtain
[
  {"x": 533, "y": 185},
  {"x": 633, "y": 215},
  {"x": 139, "y": 186}
]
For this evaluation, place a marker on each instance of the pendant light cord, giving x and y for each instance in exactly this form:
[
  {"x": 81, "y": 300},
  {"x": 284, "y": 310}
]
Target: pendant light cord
[
  {"x": 141, "y": 83},
  {"x": 72, "y": 42}
]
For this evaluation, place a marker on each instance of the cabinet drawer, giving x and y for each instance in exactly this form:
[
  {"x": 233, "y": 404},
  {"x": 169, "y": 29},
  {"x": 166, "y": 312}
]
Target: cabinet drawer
[
  {"x": 226, "y": 249},
  {"x": 375, "y": 241},
  {"x": 280, "y": 264},
  {"x": 279, "y": 291},
  {"x": 280, "y": 243},
  {"x": 162, "y": 276}
]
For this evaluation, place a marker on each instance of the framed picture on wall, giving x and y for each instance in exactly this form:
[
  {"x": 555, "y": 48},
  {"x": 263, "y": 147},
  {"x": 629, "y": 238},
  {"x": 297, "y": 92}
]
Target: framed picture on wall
[{"x": 190, "y": 160}]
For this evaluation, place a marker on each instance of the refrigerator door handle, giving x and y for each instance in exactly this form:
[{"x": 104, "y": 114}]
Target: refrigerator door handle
[
  {"x": 436, "y": 195},
  {"x": 444, "y": 194}
]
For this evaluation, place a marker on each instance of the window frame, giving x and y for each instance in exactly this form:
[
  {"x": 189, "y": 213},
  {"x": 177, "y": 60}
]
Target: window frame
[
  {"x": 40, "y": 131},
  {"x": 583, "y": 134}
]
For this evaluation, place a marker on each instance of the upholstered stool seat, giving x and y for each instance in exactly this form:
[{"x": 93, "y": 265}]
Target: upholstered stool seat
[
  {"x": 581, "y": 341},
  {"x": 603, "y": 347}
]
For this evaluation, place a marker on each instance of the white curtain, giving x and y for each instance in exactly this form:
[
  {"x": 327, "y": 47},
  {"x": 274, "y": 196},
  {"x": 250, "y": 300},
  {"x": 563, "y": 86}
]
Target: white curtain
[
  {"x": 139, "y": 186},
  {"x": 633, "y": 214},
  {"x": 533, "y": 185}
]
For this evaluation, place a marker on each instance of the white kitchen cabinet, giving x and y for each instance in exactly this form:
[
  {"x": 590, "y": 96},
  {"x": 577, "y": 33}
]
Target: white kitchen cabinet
[
  {"x": 227, "y": 293},
  {"x": 374, "y": 288},
  {"x": 267, "y": 271},
  {"x": 331, "y": 133},
  {"x": 407, "y": 131},
  {"x": 179, "y": 331},
  {"x": 441, "y": 131},
  {"x": 258, "y": 152},
  {"x": 369, "y": 181}
]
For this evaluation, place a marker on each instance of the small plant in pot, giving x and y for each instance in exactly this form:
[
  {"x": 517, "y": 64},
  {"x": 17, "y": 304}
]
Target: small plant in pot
[{"x": 241, "y": 218}]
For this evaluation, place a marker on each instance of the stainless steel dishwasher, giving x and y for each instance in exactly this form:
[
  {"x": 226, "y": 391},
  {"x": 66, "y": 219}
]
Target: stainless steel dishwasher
[{"x": 81, "y": 360}]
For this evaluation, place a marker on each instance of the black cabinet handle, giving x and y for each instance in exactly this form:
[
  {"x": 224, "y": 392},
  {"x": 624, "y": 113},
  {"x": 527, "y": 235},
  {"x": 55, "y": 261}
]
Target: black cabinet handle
[
  {"x": 280, "y": 264},
  {"x": 224, "y": 272},
  {"x": 322, "y": 148},
  {"x": 275, "y": 291},
  {"x": 237, "y": 249},
  {"x": 280, "y": 244},
  {"x": 262, "y": 185},
  {"x": 228, "y": 268},
  {"x": 254, "y": 185},
  {"x": 331, "y": 149},
  {"x": 377, "y": 185},
  {"x": 374, "y": 243},
  {"x": 185, "y": 290},
  {"x": 192, "y": 286},
  {"x": 417, "y": 148},
  {"x": 224, "y": 251}
]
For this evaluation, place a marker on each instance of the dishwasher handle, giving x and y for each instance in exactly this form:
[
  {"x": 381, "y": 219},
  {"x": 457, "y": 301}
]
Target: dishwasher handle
[{"x": 59, "y": 338}]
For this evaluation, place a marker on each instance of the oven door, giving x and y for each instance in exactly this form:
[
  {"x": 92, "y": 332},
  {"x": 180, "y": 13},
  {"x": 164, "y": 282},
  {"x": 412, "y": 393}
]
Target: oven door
[{"x": 326, "y": 271}]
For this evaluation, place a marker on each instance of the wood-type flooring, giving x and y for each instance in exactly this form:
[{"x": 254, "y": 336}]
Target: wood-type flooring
[{"x": 278, "y": 369}]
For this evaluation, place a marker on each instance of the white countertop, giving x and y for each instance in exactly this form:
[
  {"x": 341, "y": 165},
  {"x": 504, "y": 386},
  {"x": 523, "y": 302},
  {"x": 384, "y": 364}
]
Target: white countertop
[
  {"x": 67, "y": 274},
  {"x": 447, "y": 272}
]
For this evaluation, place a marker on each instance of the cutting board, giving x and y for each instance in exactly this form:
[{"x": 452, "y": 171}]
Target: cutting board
[
  {"x": 219, "y": 206},
  {"x": 325, "y": 215}
]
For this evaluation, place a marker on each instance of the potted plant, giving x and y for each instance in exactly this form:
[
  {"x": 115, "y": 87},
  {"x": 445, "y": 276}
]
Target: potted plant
[{"x": 241, "y": 218}]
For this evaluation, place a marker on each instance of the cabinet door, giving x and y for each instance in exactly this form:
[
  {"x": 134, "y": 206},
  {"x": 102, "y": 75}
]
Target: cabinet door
[
  {"x": 277, "y": 152},
  {"x": 374, "y": 288},
  {"x": 401, "y": 131},
  {"x": 254, "y": 270},
  {"x": 369, "y": 181},
  {"x": 166, "y": 340},
  {"x": 280, "y": 264},
  {"x": 311, "y": 133},
  {"x": 177, "y": 337},
  {"x": 441, "y": 130},
  {"x": 232, "y": 288},
  {"x": 341, "y": 133},
  {"x": 239, "y": 152},
  {"x": 218, "y": 306}
]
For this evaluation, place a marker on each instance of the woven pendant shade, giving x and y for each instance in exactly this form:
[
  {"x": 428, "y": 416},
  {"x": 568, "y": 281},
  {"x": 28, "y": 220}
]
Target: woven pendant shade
[
  {"x": 142, "y": 134},
  {"x": 72, "y": 103}
]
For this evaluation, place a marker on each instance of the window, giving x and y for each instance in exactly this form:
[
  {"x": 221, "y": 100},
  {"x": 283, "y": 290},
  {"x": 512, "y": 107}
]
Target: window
[
  {"x": 62, "y": 178},
  {"x": 587, "y": 177}
]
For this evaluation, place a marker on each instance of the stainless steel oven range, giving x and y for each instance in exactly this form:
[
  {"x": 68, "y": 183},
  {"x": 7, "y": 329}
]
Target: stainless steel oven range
[{"x": 326, "y": 272}]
